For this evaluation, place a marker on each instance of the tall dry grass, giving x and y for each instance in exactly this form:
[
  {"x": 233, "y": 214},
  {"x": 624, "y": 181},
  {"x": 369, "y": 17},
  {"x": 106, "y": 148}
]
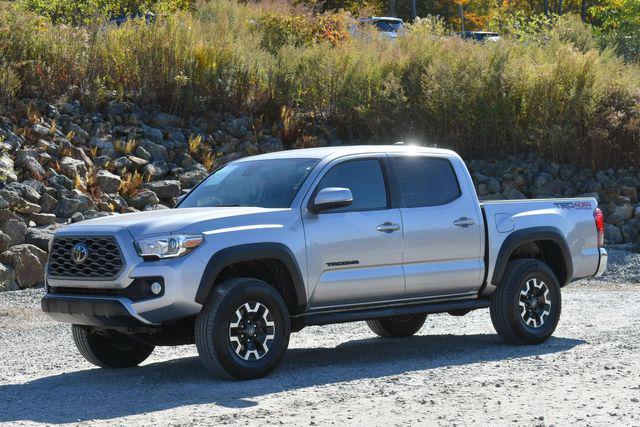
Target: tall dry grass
[{"x": 555, "y": 94}]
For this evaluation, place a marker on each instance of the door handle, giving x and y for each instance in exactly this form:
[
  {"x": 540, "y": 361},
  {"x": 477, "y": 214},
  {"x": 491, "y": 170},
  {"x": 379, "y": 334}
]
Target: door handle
[
  {"x": 463, "y": 222},
  {"x": 388, "y": 227}
]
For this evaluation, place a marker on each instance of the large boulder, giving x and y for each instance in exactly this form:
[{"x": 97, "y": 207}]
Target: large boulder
[
  {"x": 192, "y": 178},
  {"x": 163, "y": 119},
  {"x": 165, "y": 189},
  {"x": 620, "y": 214},
  {"x": 28, "y": 262},
  {"x": 155, "y": 151},
  {"x": 143, "y": 199},
  {"x": 7, "y": 278},
  {"x": 612, "y": 234},
  {"x": 13, "y": 226},
  {"x": 154, "y": 134},
  {"x": 239, "y": 127},
  {"x": 108, "y": 182},
  {"x": 73, "y": 168},
  {"x": 70, "y": 204},
  {"x": 39, "y": 237}
]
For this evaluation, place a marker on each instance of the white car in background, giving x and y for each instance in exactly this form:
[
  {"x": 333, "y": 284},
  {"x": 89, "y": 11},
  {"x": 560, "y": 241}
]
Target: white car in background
[{"x": 388, "y": 26}]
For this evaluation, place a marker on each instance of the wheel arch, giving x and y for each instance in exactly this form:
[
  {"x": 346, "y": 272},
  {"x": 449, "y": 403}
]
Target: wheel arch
[
  {"x": 273, "y": 256},
  {"x": 544, "y": 243}
]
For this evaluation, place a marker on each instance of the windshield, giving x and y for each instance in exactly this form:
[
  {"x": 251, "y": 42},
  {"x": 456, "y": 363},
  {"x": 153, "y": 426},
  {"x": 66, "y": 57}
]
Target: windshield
[
  {"x": 388, "y": 26},
  {"x": 260, "y": 183}
]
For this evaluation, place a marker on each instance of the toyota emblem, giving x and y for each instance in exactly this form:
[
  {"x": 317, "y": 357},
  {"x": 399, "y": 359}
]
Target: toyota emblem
[{"x": 79, "y": 253}]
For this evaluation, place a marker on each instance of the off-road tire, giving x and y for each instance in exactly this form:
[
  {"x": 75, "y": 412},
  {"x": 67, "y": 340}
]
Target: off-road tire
[
  {"x": 505, "y": 309},
  {"x": 212, "y": 329},
  {"x": 397, "y": 327},
  {"x": 110, "y": 349}
]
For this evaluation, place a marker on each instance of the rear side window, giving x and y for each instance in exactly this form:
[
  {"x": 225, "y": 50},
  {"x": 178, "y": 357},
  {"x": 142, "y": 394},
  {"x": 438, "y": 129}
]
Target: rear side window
[
  {"x": 426, "y": 181},
  {"x": 365, "y": 180}
]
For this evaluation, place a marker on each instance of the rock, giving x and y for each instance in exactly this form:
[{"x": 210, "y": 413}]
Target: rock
[
  {"x": 192, "y": 178},
  {"x": 60, "y": 181},
  {"x": 73, "y": 168},
  {"x": 513, "y": 193},
  {"x": 620, "y": 213},
  {"x": 137, "y": 162},
  {"x": 493, "y": 185},
  {"x": 5, "y": 242},
  {"x": 39, "y": 237},
  {"x": 239, "y": 127},
  {"x": 108, "y": 182},
  {"x": 7, "y": 278},
  {"x": 69, "y": 205},
  {"x": 42, "y": 219},
  {"x": 48, "y": 204},
  {"x": 115, "y": 108},
  {"x": 15, "y": 229},
  {"x": 166, "y": 189},
  {"x": 29, "y": 192},
  {"x": 77, "y": 217},
  {"x": 482, "y": 190},
  {"x": 163, "y": 119},
  {"x": 630, "y": 193},
  {"x": 142, "y": 153},
  {"x": 102, "y": 143},
  {"x": 143, "y": 199},
  {"x": 156, "y": 151},
  {"x": 154, "y": 134},
  {"x": 630, "y": 230},
  {"x": 269, "y": 144},
  {"x": 122, "y": 164},
  {"x": 33, "y": 167},
  {"x": 28, "y": 262},
  {"x": 612, "y": 234},
  {"x": 156, "y": 170}
]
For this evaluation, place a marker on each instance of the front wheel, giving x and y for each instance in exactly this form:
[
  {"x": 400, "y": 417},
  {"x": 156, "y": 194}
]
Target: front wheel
[
  {"x": 397, "y": 327},
  {"x": 525, "y": 308},
  {"x": 243, "y": 329},
  {"x": 110, "y": 349}
]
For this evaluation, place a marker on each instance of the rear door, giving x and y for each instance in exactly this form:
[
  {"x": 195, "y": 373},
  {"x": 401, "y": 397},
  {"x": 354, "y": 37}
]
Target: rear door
[
  {"x": 442, "y": 224},
  {"x": 355, "y": 253}
]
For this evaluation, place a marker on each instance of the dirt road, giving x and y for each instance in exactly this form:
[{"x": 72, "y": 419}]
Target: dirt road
[{"x": 455, "y": 372}]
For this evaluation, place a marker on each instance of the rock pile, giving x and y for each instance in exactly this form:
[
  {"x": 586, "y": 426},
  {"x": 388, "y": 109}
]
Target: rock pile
[{"x": 61, "y": 164}]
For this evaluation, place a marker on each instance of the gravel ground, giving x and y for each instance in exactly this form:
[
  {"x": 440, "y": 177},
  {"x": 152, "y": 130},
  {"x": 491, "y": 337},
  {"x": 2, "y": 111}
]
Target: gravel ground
[{"x": 455, "y": 371}]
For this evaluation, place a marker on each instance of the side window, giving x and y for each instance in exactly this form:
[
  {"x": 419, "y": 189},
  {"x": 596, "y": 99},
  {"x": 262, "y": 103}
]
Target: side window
[
  {"x": 365, "y": 180},
  {"x": 426, "y": 181}
]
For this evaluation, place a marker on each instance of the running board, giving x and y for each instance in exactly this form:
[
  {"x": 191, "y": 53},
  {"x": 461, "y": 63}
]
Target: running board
[{"x": 402, "y": 310}]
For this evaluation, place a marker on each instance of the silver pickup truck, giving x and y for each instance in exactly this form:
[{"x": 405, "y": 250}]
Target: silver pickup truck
[{"x": 267, "y": 245}]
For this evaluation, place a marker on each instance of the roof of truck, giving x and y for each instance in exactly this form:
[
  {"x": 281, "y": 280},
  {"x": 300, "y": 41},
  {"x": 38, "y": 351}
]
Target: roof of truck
[{"x": 322, "y": 152}]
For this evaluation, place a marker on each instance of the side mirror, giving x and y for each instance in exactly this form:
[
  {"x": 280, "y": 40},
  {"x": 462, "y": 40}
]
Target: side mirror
[{"x": 331, "y": 198}]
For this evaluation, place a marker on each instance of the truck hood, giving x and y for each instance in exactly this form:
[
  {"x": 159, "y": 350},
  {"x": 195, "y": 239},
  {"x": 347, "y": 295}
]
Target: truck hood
[{"x": 184, "y": 220}]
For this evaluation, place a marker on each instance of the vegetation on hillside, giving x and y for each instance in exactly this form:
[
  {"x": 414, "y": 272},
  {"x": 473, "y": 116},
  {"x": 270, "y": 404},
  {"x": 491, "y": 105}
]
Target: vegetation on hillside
[{"x": 546, "y": 87}]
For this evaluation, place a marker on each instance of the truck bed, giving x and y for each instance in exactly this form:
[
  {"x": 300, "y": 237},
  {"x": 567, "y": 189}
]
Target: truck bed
[{"x": 573, "y": 217}]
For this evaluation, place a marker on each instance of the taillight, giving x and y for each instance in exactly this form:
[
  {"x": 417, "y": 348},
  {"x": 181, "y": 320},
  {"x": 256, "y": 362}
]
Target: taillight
[{"x": 599, "y": 218}]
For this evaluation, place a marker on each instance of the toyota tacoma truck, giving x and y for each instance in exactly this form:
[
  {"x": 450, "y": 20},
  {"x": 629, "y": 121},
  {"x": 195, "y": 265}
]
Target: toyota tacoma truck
[{"x": 269, "y": 244}]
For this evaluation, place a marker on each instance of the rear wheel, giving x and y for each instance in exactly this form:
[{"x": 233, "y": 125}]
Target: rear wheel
[
  {"x": 397, "y": 327},
  {"x": 110, "y": 349},
  {"x": 243, "y": 329},
  {"x": 526, "y": 306}
]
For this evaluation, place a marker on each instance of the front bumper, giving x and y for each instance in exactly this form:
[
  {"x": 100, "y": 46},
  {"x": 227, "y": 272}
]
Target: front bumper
[
  {"x": 94, "y": 311},
  {"x": 602, "y": 264}
]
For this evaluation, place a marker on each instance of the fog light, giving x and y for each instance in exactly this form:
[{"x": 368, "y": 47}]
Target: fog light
[{"x": 156, "y": 288}]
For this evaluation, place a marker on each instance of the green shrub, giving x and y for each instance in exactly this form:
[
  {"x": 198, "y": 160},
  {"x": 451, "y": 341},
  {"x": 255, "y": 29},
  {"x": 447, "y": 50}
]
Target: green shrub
[{"x": 545, "y": 89}]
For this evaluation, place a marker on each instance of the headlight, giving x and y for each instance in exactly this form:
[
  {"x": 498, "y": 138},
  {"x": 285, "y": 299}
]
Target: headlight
[{"x": 170, "y": 246}]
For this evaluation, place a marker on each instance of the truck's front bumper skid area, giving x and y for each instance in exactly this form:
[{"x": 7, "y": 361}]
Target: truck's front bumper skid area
[{"x": 106, "y": 312}]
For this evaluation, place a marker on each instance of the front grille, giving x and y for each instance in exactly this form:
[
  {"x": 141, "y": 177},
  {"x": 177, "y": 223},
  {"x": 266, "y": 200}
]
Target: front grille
[{"x": 104, "y": 259}]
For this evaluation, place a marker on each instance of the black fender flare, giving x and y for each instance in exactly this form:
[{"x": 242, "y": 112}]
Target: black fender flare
[
  {"x": 250, "y": 252},
  {"x": 528, "y": 235}
]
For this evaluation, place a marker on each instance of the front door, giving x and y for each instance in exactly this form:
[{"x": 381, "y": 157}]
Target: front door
[{"x": 355, "y": 253}]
